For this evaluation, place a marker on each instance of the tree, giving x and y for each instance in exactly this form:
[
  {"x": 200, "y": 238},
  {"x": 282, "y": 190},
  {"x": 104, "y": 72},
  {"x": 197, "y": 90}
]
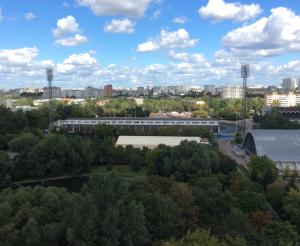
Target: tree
[
  {"x": 30, "y": 216},
  {"x": 260, "y": 219},
  {"x": 23, "y": 142},
  {"x": 280, "y": 233},
  {"x": 291, "y": 206},
  {"x": 6, "y": 168},
  {"x": 275, "y": 193},
  {"x": 251, "y": 201},
  {"x": 262, "y": 170},
  {"x": 200, "y": 237},
  {"x": 113, "y": 218}
]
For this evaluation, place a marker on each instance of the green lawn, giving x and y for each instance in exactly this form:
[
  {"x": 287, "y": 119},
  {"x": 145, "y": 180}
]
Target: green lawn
[{"x": 119, "y": 170}]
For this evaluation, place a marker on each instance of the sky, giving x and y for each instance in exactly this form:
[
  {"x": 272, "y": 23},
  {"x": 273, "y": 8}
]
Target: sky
[{"x": 130, "y": 43}]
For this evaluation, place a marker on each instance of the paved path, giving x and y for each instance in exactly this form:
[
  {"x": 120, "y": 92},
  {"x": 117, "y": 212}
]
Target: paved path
[{"x": 227, "y": 149}]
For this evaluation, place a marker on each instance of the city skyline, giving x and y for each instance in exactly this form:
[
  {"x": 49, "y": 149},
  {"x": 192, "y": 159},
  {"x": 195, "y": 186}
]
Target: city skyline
[{"x": 135, "y": 43}]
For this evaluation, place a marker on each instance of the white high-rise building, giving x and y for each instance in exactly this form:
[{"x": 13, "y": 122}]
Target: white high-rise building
[
  {"x": 289, "y": 84},
  {"x": 232, "y": 92}
]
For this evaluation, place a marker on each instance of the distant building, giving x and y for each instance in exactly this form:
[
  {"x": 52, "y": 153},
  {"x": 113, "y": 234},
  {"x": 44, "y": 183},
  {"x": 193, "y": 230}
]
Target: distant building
[
  {"x": 73, "y": 93},
  {"x": 293, "y": 113},
  {"x": 56, "y": 92},
  {"x": 23, "y": 108},
  {"x": 210, "y": 89},
  {"x": 108, "y": 89},
  {"x": 7, "y": 103},
  {"x": 289, "y": 99},
  {"x": 256, "y": 92},
  {"x": 91, "y": 92},
  {"x": 289, "y": 84},
  {"x": 151, "y": 142},
  {"x": 232, "y": 92},
  {"x": 140, "y": 91}
]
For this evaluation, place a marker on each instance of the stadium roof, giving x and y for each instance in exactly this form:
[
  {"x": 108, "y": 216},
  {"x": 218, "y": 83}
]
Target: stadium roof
[{"x": 278, "y": 145}]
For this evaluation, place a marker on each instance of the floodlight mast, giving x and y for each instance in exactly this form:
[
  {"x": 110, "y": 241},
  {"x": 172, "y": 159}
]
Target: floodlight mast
[
  {"x": 49, "y": 73},
  {"x": 245, "y": 73}
]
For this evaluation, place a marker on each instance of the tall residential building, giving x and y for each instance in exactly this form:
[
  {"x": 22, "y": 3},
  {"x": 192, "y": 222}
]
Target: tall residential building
[
  {"x": 210, "y": 89},
  {"x": 232, "y": 92},
  {"x": 289, "y": 84},
  {"x": 91, "y": 92},
  {"x": 282, "y": 99},
  {"x": 108, "y": 90},
  {"x": 56, "y": 92}
]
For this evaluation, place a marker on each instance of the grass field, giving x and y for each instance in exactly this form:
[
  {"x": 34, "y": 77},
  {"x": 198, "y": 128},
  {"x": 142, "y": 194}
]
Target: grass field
[{"x": 119, "y": 170}]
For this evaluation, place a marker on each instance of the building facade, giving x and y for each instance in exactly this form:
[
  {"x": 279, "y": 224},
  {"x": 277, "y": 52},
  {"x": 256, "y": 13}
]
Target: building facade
[
  {"x": 56, "y": 92},
  {"x": 108, "y": 90},
  {"x": 289, "y": 84},
  {"x": 282, "y": 99},
  {"x": 232, "y": 92}
]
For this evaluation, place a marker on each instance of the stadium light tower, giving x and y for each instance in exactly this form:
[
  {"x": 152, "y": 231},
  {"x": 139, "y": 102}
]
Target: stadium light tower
[
  {"x": 49, "y": 74},
  {"x": 245, "y": 73}
]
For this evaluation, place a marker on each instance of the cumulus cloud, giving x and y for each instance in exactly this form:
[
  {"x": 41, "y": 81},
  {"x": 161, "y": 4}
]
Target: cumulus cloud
[
  {"x": 22, "y": 68},
  {"x": 219, "y": 10},
  {"x": 29, "y": 16},
  {"x": 131, "y": 8},
  {"x": 18, "y": 56},
  {"x": 120, "y": 26},
  {"x": 66, "y": 25},
  {"x": 187, "y": 57},
  {"x": 72, "y": 41},
  {"x": 168, "y": 40},
  {"x": 270, "y": 36},
  {"x": 180, "y": 20}
]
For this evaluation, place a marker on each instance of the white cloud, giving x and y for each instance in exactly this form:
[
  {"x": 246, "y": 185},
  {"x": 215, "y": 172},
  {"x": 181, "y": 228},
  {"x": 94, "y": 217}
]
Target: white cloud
[
  {"x": 72, "y": 41},
  {"x": 180, "y": 20},
  {"x": 274, "y": 35},
  {"x": 219, "y": 10},
  {"x": 168, "y": 40},
  {"x": 131, "y": 8},
  {"x": 22, "y": 68},
  {"x": 120, "y": 26},
  {"x": 29, "y": 16},
  {"x": 186, "y": 57},
  {"x": 66, "y": 25},
  {"x": 18, "y": 56},
  {"x": 81, "y": 59}
]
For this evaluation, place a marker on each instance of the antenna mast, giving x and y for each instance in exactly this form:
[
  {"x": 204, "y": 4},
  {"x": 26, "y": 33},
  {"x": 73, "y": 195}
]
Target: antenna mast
[
  {"x": 245, "y": 73},
  {"x": 49, "y": 73}
]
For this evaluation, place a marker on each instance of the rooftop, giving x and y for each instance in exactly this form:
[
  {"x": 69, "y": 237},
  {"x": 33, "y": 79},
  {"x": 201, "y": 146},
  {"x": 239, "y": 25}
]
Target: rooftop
[{"x": 278, "y": 145}]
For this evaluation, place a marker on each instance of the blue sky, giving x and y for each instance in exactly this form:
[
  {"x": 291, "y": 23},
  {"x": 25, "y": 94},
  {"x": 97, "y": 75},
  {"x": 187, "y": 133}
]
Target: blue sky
[{"x": 136, "y": 42}]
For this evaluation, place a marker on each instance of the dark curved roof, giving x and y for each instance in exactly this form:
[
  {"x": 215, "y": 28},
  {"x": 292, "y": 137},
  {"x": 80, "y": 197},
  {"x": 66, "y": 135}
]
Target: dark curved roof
[{"x": 278, "y": 145}]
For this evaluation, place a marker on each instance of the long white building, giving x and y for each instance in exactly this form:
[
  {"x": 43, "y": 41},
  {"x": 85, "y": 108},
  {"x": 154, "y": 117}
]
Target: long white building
[
  {"x": 289, "y": 99},
  {"x": 151, "y": 142}
]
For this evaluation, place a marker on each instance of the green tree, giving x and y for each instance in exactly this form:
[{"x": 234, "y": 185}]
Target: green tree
[
  {"x": 6, "y": 168},
  {"x": 23, "y": 142},
  {"x": 291, "y": 206},
  {"x": 200, "y": 237},
  {"x": 275, "y": 193},
  {"x": 280, "y": 233},
  {"x": 262, "y": 170}
]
